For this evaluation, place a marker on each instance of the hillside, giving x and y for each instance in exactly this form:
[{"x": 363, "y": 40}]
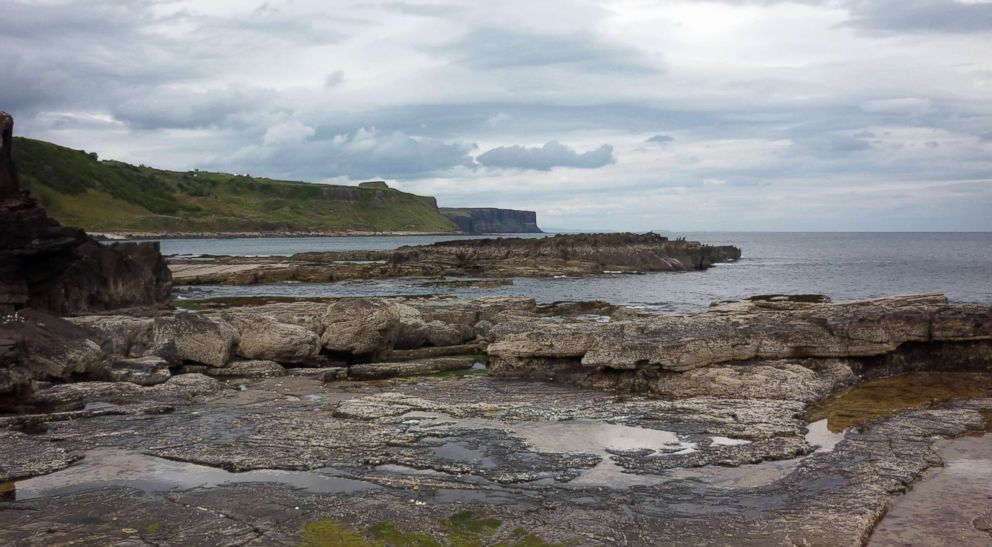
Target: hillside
[{"x": 110, "y": 196}]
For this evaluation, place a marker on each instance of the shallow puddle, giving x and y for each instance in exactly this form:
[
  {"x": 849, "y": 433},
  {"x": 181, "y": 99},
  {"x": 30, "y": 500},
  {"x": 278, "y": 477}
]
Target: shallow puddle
[
  {"x": 601, "y": 439},
  {"x": 952, "y": 506},
  {"x": 887, "y": 396},
  {"x": 114, "y": 467}
]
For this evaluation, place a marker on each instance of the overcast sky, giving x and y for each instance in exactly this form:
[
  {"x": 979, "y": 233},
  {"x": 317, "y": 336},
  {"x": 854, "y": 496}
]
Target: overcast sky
[{"x": 628, "y": 114}]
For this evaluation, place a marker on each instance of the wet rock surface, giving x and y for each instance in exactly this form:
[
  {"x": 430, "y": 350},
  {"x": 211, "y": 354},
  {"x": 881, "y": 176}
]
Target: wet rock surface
[
  {"x": 286, "y": 457},
  {"x": 321, "y": 443}
]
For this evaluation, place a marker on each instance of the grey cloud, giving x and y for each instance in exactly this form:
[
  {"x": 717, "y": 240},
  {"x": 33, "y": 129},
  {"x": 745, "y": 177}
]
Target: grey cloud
[
  {"x": 422, "y": 9},
  {"x": 498, "y": 48},
  {"x": 922, "y": 15},
  {"x": 334, "y": 79},
  {"x": 925, "y": 16},
  {"x": 177, "y": 108},
  {"x": 362, "y": 154},
  {"x": 552, "y": 154},
  {"x": 660, "y": 139}
]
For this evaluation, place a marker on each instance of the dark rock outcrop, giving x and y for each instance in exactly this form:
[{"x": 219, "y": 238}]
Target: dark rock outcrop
[
  {"x": 45, "y": 265},
  {"x": 489, "y": 220},
  {"x": 568, "y": 255}
]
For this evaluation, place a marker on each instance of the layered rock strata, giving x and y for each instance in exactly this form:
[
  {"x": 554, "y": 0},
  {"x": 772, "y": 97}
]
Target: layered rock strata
[{"x": 765, "y": 348}]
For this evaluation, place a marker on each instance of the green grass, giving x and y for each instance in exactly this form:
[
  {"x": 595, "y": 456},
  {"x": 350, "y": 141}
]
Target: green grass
[
  {"x": 462, "y": 529},
  {"x": 110, "y": 196}
]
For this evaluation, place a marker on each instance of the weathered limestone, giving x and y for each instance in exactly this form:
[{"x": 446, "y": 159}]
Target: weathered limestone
[
  {"x": 123, "y": 334},
  {"x": 263, "y": 338},
  {"x": 183, "y": 387},
  {"x": 638, "y": 353},
  {"x": 364, "y": 328},
  {"x": 198, "y": 338}
]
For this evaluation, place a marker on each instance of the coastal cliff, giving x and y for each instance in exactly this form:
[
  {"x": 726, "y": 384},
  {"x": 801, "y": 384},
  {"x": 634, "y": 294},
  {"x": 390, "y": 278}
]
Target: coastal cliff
[
  {"x": 78, "y": 189},
  {"x": 488, "y": 220}
]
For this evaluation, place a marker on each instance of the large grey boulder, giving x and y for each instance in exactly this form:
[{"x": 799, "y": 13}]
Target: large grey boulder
[
  {"x": 264, "y": 338},
  {"x": 123, "y": 335},
  {"x": 198, "y": 338},
  {"x": 360, "y": 328}
]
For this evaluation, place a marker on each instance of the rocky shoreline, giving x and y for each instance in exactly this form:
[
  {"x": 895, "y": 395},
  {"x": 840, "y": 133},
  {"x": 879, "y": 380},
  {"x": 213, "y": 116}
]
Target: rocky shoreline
[
  {"x": 559, "y": 255},
  {"x": 387, "y": 401}
]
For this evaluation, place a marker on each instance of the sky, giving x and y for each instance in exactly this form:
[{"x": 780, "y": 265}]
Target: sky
[{"x": 843, "y": 115}]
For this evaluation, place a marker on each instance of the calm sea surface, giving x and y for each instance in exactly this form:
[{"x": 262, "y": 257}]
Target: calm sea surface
[{"x": 840, "y": 265}]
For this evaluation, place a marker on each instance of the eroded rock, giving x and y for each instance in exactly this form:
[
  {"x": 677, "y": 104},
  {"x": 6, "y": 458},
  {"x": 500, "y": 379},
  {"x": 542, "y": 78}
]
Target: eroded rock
[
  {"x": 197, "y": 338},
  {"x": 636, "y": 353}
]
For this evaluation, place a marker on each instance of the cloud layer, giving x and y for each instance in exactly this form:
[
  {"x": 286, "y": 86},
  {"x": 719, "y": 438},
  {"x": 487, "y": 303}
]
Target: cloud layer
[
  {"x": 599, "y": 114},
  {"x": 552, "y": 154}
]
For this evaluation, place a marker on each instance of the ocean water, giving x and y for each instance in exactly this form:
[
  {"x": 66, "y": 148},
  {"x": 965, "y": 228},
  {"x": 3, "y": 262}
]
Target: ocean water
[
  {"x": 840, "y": 265},
  {"x": 285, "y": 246}
]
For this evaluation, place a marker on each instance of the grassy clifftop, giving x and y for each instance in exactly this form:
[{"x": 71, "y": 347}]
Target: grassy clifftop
[{"x": 110, "y": 196}]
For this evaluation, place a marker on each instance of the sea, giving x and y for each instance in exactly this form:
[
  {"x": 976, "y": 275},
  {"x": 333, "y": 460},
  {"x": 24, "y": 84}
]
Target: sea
[{"x": 843, "y": 266}]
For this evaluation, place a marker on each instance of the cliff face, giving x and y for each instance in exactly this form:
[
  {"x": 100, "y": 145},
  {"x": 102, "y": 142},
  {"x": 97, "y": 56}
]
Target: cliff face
[
  {"x": 485, "y": 220},
  {"x": 60, "y": 269}
]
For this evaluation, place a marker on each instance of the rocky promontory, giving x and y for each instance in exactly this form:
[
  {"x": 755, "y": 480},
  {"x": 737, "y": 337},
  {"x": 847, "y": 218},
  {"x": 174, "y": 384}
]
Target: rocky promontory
[{"x": 559, "y": 255}]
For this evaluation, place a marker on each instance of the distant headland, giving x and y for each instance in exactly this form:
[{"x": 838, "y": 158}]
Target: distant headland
[{"x": 118, "y": 200}]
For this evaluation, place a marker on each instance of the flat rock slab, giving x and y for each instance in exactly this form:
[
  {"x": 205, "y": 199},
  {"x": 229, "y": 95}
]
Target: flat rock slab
[
  {"x": 551, "y": 462},
  {"x": 373, "y": 371}
]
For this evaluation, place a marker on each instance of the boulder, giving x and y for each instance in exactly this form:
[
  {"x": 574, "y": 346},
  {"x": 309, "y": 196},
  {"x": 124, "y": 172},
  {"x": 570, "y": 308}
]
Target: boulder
[
  {"x": 763, "y": 380},
  {"x": 360, "y": 328},
  {"x": 197, "y": 338},
  {"x": 264, "y": 338},
  {"x": 444, "y": 334},
  {"x": 413, "y": 331},
  {"x": 123, "y": 335}
]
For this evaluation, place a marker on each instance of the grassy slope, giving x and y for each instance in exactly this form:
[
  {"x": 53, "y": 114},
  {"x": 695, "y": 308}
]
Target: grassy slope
[{"x": 111, "y": 196}]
